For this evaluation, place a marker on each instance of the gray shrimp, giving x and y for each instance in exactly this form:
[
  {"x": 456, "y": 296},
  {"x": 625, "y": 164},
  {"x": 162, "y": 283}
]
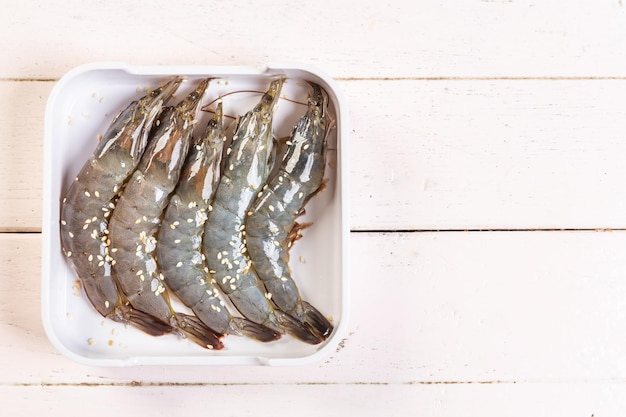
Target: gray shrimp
[
  {"x": 224, "y": 242},
  {"x": 272, "y": 227},
  {"x": 179, "y": 246},
  {"x": 137, "y": 216},
  {"x": 90, "y": 200}
]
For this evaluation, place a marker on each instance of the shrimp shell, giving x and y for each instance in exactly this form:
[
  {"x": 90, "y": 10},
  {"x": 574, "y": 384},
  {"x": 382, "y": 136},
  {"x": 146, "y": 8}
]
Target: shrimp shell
[
  {"x": 137, "y": 217},
  {"x": 179, "y": 246},
  {"x": 224, "y": 242},
  {"x": 272, "y": 227},
  {"x": 90, "y": 201}
]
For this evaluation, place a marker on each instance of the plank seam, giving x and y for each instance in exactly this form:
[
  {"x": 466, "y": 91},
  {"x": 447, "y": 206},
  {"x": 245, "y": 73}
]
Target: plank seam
[
  {"x": 426, "y": 78},
  {"x": 596, "y": 230},
  {"x": 239, "y": 384}
]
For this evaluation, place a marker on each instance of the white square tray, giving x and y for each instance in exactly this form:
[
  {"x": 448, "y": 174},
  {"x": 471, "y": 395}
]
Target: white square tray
[{"x": 80, "y": 107}]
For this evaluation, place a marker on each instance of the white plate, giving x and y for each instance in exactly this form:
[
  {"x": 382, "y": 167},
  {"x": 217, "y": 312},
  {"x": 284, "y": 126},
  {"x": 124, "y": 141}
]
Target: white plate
[{"x": 80, "y": 108}]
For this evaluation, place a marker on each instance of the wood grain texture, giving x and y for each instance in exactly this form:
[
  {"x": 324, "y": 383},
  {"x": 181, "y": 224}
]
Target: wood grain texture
[
  {"x": 425, "y": 155},
  {"x": 349, "y": 39},
  {"x": 473, "y": 400},
  {"x": 426, "y": 307},
  {"x": 479, "y": 114}
]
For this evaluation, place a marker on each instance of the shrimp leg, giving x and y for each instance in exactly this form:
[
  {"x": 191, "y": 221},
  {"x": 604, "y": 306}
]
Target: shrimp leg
[
  {"x": 272, "y": 227},
  {"x": 224, "y": 240},
  {"x": 136, "y": 220},
  {"x": 179, "y": 247},
  {"x": 90, "y": 201}
]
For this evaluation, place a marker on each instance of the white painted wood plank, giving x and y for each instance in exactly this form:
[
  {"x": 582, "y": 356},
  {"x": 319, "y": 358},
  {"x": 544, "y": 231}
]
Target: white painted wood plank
[
  {"x": 488, "y": 154},
  {"x": 21, "y": 154},
  {"x": 424, "y": 154},
  {"x": 426, "y": 307},
  {"x": 490, "y": 400},
  {"x": 347, "y": 39}
]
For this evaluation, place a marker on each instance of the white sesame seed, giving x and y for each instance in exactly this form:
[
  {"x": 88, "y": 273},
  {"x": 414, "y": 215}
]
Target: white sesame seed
[
  {"x": 71, "y": 234},
  {"x": 90, "y": 258},
  {"x": 179, "y": 264},
  {"x": 113, "y": 250},
  {"x": 137, "y": 221},
  {"x": 87, "y": 194},
  {"x": 189, "y": 220},
  {"x": 219, "y": 255},
  {"x": 140, "y": 272},
  {"x": 69, "y": 253},
  {"x": 63, "y": 222},
  {"x": 101, "y": 263},
  {"x": 232, "y": 287},
  {"x": 106, "y": 304},
  {"x": 177, "y": 241},
  {"x": 271, "y": 207},
  {"x": 96, "y": 193}
]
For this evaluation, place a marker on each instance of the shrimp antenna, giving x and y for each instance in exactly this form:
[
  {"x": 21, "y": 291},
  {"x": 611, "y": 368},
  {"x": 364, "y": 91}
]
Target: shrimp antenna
[{"x": 206, "y": 106}]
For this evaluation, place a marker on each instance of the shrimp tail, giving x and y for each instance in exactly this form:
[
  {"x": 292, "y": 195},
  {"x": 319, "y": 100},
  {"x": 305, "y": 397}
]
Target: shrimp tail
[
  {"x": 146, "y": 323},
  {"x": 317, "y": 321},
  {"x": 253, "y": 330},
  {"x": 197, "y": 332},
  {"x": 299, "y": 330}
]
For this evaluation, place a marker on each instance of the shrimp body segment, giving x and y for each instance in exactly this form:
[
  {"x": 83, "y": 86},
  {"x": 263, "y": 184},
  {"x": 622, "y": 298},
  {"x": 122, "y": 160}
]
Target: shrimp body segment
[
  {"x": 272, "y": 227},
  {"x": 90, "y": 200},
  {"x": 136, "y": 220},
  {"x": 247, "y": 169},
  {"x": 179, "y": 246}
]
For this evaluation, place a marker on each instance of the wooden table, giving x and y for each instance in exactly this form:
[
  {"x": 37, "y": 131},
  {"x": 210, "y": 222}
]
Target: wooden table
[{"x": 488, "y": 208}]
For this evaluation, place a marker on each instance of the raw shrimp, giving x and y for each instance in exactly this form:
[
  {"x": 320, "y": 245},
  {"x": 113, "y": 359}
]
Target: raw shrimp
[
  {"x": 179, "y": 246},
  {"x": 224, "y": 242},
  {"x": 91, "y": 198},
  {"x": 135, "y": 222},
  {"x": 272, "y": 227}
]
